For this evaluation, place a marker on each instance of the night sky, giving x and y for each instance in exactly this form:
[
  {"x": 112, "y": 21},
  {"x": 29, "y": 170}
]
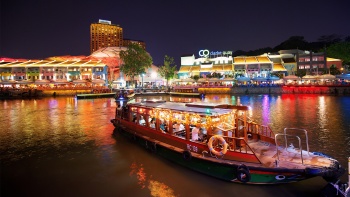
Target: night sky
[{"x": 38, "y": 29}]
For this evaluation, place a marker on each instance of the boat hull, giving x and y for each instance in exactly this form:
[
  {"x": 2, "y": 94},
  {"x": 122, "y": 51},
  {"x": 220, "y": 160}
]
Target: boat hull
[{"x": 233, "y": 172}]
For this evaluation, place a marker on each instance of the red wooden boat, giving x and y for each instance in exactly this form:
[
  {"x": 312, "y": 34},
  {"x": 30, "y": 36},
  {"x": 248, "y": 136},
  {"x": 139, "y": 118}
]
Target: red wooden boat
[{"x": 220, "y": 140}]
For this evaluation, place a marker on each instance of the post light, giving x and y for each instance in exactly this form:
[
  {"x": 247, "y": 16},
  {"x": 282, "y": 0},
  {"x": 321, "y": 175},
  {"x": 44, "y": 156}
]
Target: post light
[{"x": 143, "y": 74}]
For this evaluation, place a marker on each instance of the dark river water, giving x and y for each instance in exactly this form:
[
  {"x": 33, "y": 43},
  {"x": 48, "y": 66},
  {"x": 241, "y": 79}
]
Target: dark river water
[{"x": 65, "y": 147}]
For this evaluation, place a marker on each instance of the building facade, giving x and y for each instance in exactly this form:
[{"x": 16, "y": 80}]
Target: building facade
[
  {"x": 52, "y": 71},
  {"x": 105, "y": 34}
]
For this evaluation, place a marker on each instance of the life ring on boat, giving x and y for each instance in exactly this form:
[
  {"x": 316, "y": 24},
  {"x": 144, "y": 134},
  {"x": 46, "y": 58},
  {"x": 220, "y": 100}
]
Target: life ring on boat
[
  {"x": 187, "y": 155},
  {"x": 222, "y": 141}
]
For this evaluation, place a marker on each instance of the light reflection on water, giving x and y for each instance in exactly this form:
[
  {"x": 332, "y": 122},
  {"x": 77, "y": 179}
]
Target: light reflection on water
[{"x": 68, "y": 143}]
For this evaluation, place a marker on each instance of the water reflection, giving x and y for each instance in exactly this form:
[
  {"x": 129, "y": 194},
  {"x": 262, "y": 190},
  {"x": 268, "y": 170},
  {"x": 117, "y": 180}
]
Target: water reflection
[
  {"x": 65, "y": 142},
  {"x": 155, "y": 187}
]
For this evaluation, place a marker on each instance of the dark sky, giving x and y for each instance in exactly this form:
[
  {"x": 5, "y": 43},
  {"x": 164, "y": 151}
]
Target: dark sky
[{"x": 38, "y": 29}]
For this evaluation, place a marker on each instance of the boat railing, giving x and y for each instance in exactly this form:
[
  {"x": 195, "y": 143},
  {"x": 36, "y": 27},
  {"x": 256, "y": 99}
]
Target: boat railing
[
  {"x": 237, "y": 144},
  {"x": 285, "y": 136},
  {"x": 290, "y": 130},
  {"x": 261, "y": 132}
]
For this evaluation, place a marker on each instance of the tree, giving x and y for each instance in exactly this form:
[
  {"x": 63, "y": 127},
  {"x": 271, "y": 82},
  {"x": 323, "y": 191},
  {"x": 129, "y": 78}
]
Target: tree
[
  {"x": 167, "y": 70},
  {"x": 196, "y": 78},
  {"x": 136, "y": 60},
  {"x": 340, "y": 50}
]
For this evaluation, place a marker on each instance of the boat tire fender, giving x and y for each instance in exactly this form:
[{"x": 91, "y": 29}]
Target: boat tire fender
[
  {"x": 243, "y": 175},
  {"x": 242, "y": 166},
  {"x": 187, "y": 156},
  {"x": 222, "y": 141},
  {"x": 153, "y": 147}
]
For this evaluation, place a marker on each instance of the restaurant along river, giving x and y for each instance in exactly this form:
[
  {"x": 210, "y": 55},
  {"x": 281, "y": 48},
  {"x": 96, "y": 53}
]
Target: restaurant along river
[{"x": 64, "y": 147}]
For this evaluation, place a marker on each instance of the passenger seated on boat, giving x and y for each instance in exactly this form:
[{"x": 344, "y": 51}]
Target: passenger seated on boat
[
  {"x": 152, "y": 124},
  {"x": 142, "y": 121},
  {"x": 134, "y": 119},
  {"x": 195, "y": 133},
  {"x": 178, "y": 127},
  {"x": 163, "y": 127}
]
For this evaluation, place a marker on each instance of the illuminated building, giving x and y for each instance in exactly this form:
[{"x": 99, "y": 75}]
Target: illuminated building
[
  {"x": 105, "y": 34},
  {"x": 53, "y": 71},
  {"x": 126, "y": 43}
]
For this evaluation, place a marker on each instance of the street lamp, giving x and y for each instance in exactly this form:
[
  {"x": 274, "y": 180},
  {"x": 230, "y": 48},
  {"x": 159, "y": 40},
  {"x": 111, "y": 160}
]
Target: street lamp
[{"x": 142, "y": 74}]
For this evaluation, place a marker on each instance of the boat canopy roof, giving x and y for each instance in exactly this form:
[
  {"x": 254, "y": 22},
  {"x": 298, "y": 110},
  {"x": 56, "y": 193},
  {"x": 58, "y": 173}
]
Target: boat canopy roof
[{"x": 199, "y": 108}]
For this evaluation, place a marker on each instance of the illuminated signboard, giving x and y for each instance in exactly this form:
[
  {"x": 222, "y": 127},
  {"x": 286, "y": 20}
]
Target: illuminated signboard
[
  {"x": 104, "y": 21},
  {"x": 206, "y": 53}
]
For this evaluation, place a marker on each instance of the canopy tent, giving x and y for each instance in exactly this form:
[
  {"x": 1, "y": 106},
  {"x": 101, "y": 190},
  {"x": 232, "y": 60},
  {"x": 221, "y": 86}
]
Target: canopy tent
[
  {"x": 291, "y": 77},
  {"x": 98, "y": 81},
  {"x": 326, "y": 76},
  {"x": 344, "y": 76},
  {"x": 42, "y": 82},
  {"x": 24, "y": 82},
  {"x": 60, "y": 82},
  {"x": 241, "y": 79},
  {"x": 79, "y": 81},
  {"x": 310, "y": 77},
  {"x": 273, "y": 78},
  {"x": 259, "y": 79},
  {"x": 8, "y": 82},
  {"x": 228, "y": 79}
]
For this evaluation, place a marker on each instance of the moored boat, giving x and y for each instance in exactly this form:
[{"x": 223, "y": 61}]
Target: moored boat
[
  {"x": 124, "y": 95},
  {"x": 187, "y": 92},
  {"x": 220, "y": 140}
]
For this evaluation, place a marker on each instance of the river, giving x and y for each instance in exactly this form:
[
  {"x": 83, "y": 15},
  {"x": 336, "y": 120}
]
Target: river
[{"x": 64, "y": 147}]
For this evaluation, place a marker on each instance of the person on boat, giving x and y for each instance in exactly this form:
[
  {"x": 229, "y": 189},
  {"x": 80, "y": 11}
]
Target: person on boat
[
  {"x": 163, "y": 126},
  {"x": 195, "y": 132},
  {"x": 142, "y": 121},
  {"x": 152, "y": 124},
  {"x": 179, "y": 127},
  {"x": 134, "y": 119}
]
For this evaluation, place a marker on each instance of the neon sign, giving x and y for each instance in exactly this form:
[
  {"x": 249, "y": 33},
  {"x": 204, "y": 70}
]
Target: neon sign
[{"x": 206, "y": 53}]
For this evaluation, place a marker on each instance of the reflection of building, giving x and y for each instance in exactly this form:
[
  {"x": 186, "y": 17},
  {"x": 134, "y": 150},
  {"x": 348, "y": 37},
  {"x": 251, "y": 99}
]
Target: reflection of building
[{"x": 104, "y": 34}]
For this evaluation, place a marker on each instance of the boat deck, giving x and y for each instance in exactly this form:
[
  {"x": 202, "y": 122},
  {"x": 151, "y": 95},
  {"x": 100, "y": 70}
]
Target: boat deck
[{"x": 290, "y": 157}]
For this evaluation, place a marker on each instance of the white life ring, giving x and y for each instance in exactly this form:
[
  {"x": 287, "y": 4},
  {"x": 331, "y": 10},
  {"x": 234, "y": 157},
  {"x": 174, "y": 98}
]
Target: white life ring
[{"x": 222, "y": 141}]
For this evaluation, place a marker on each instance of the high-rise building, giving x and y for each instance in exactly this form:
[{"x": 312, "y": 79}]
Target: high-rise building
[{"x": 105, "y": 34}]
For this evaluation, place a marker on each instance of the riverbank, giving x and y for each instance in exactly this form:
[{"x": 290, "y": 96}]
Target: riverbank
[
  {"x": 342, "y": 90},
  {"x": 335, "y": 90}
]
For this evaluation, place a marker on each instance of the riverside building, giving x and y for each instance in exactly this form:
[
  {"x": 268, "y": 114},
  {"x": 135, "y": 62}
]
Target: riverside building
[{"x": 53, "y": 72}]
